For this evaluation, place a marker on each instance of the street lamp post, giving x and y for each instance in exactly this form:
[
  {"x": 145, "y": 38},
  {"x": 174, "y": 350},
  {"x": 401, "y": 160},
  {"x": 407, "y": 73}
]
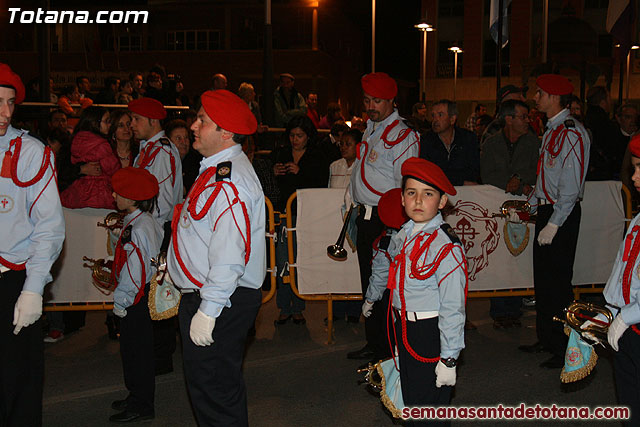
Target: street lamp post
[
  {"x": 634, "y": 47},
  {"x": 456, "y": 50},
  {"x": 425, "y": 28}
]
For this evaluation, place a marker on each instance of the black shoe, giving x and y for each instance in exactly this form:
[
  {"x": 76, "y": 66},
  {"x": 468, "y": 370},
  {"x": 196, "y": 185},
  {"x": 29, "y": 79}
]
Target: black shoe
[
  {"x": 299, "y": 319},
  {"x": 128, "y": 416},
  {"x": 555, "y": 362},
  {"x": 353, "y": 319},
  {"x": 119, "y": 405},
  {"x": 363, "y": 353},
  {"x": 534, "y": 348}
]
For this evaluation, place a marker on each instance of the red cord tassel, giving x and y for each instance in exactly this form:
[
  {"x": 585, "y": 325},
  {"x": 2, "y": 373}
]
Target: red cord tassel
[{"x": 6, "y": 165}]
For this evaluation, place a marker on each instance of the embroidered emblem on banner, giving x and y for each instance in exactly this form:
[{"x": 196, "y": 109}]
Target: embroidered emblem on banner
[
  {"x": 516, "y": 237},
  {"x": 6, "y": 204},
  {"x": 477, "y": 230},
  {"x": 373, "y": 156},
  {"x": 573, "y": 357}
]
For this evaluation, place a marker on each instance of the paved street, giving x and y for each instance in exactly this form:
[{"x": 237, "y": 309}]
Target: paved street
[{"x": 295, "y": 379}]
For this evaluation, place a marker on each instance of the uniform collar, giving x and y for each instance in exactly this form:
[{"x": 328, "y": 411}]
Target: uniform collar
[
  {"x": 130, "y": 216},
  {"x": 558, "y": 118},
  {"x": 155, "y": 137},
  {"x": 383, "y": 124},
  {"x": 434, "y": 223},
  {"x": 12, "y": 133},
  {"x": 226, "y": 154}
]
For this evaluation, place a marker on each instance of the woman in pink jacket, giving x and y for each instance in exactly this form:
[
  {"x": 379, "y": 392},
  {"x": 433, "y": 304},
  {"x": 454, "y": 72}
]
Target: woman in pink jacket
[{"x": 90, "y": 145}]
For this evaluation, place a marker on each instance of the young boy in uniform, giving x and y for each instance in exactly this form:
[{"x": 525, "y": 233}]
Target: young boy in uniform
[
  {"x": 623, "y": 299},
  {"x": 135, "y": 191},
  {"x": 428, "y": 280}
]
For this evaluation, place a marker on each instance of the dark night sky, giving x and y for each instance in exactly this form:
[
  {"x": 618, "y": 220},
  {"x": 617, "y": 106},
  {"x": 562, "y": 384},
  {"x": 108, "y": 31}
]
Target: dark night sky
[{"x": 397, "y": 41}]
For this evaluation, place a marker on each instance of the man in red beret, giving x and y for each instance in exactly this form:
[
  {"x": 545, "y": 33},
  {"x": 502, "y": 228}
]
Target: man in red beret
[
  {"x": 217, "y": 258},
  {"x": 32, "y": 233},
  {"x": 622, "y": 294},
  {"x": 562, "y": 167},
  {"x": 386, "y": 144},
  {"x": 157, "y": 154}
]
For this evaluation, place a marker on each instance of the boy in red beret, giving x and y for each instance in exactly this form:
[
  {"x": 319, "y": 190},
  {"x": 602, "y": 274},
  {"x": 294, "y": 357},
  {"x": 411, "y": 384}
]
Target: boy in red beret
[
  {"x": 135, "y": 191},
  {"x": 428, "y": 281}
]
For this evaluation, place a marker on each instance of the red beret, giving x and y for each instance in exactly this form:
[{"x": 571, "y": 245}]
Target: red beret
[
  {"x": 134, "y": 183},
  {"x": 427, "y": 172},
  {"x": 634, "y": 145},
  {"x": 148, "y": 107},
  {"x": 9, "y": 78},
  {"x": 229, "y": 112},
  {"x": 554, "y": 84},
  {"x": 379, "y": 85},
  {"x": 390, "y": 209}
]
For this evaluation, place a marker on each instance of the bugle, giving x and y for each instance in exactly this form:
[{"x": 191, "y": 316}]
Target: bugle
[
  {"x": 337, "y": 252},
  {"x": 579, "y": 312},
  {"x": 112, "y": 221}
]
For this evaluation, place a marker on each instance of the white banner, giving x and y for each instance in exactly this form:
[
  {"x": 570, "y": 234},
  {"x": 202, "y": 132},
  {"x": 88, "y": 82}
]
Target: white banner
[
  {"x": 491, "y": 265},
  {"x": 72, "y": 282}
]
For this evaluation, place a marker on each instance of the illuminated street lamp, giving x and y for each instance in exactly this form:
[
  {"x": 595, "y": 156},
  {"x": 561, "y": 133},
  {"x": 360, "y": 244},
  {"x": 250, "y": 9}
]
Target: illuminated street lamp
[
  {"x": 634, "y": 47},
  {"x": 456, "y": 50},
  {"x": 425, "y": 28}
]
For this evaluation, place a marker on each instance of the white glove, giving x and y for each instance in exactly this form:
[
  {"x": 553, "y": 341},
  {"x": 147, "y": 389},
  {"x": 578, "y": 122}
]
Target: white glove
[
  {"x": 201, "y": 331},
  {"x": 616, "y": 329},
  {"x": 121, "y": 313},
  {"x": 514, "y": 217},
  {"x": 547, "y": 234},
  {"x": 27, "y": 310},
  {"x": 367, "y": 306},
  {"x": 445, "y": 375}
]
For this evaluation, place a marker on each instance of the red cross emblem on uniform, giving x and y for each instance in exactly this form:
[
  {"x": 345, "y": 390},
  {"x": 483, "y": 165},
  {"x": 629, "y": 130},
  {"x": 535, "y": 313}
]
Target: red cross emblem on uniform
[{"x": 4, "y": 202}]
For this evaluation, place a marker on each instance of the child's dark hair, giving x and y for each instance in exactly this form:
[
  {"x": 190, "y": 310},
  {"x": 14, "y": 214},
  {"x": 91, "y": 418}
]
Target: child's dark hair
[
  {"x": 147, "y": 205},
  {"x": 406, "y": 177}
]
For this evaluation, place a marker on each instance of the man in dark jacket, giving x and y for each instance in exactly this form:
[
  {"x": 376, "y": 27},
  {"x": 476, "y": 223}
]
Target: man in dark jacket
[
  {"x": 606, "y": 154},
  {"x": 453, "y": 149}
]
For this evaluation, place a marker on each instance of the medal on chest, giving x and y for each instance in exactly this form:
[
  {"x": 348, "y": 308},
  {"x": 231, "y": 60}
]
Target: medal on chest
[
  {"x": 373, "y": 156},
  {"x": 551, "y": 161},
  {"x": 6, "y": 203}
]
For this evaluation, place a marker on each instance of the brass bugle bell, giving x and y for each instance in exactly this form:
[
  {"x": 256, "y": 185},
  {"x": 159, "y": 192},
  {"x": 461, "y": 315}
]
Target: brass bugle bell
[
  {"x": 100, "y": 274},
  {"x": 337, "y": 252},
  {"x": 579, "y": 312},
  {"x": 112, "y": 221},
  {"x": 519, "y": 206}
]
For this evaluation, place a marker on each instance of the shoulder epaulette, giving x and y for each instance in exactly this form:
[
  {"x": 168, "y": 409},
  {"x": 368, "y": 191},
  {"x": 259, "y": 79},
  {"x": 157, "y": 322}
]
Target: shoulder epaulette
[
  {"x": 164, "y": 141},
  {"x": 126, "y": 235},
  {"x": 569, "y": 123},
  {"x": 384, "y": 242},
  {"x": 449, "y": 232},
  {"x": 223, "y": 171}
]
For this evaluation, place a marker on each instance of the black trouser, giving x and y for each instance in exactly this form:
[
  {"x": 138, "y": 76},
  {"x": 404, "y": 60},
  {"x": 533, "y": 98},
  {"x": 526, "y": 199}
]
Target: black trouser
[
  {"x": 626, "y": 363},
  {"x": 418, "y": 379},
  {"x": 136, "y": 350},
  {"x": 21, "y": 360},
  {"x": 375, "y": 325},
  {"x": 214, "y": 373},
  {"x": 164, "y": 331},
  {"x": 552, "y": 274}
]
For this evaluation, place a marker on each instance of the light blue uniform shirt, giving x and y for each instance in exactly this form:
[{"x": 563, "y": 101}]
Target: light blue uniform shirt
[
  {"x": 382, "y": 164},
  {"x": 613, "y": 291},
  {"x": 380, "y": 270},
  {"x": 169, "y": 195},
  {"x": 448, "y": 299},
  {"x": 146, "y": 234},
  {"x": 563, "y": 178},
  {"x": 34, "y": 237},
  {"x": 212, "y": 248}
]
